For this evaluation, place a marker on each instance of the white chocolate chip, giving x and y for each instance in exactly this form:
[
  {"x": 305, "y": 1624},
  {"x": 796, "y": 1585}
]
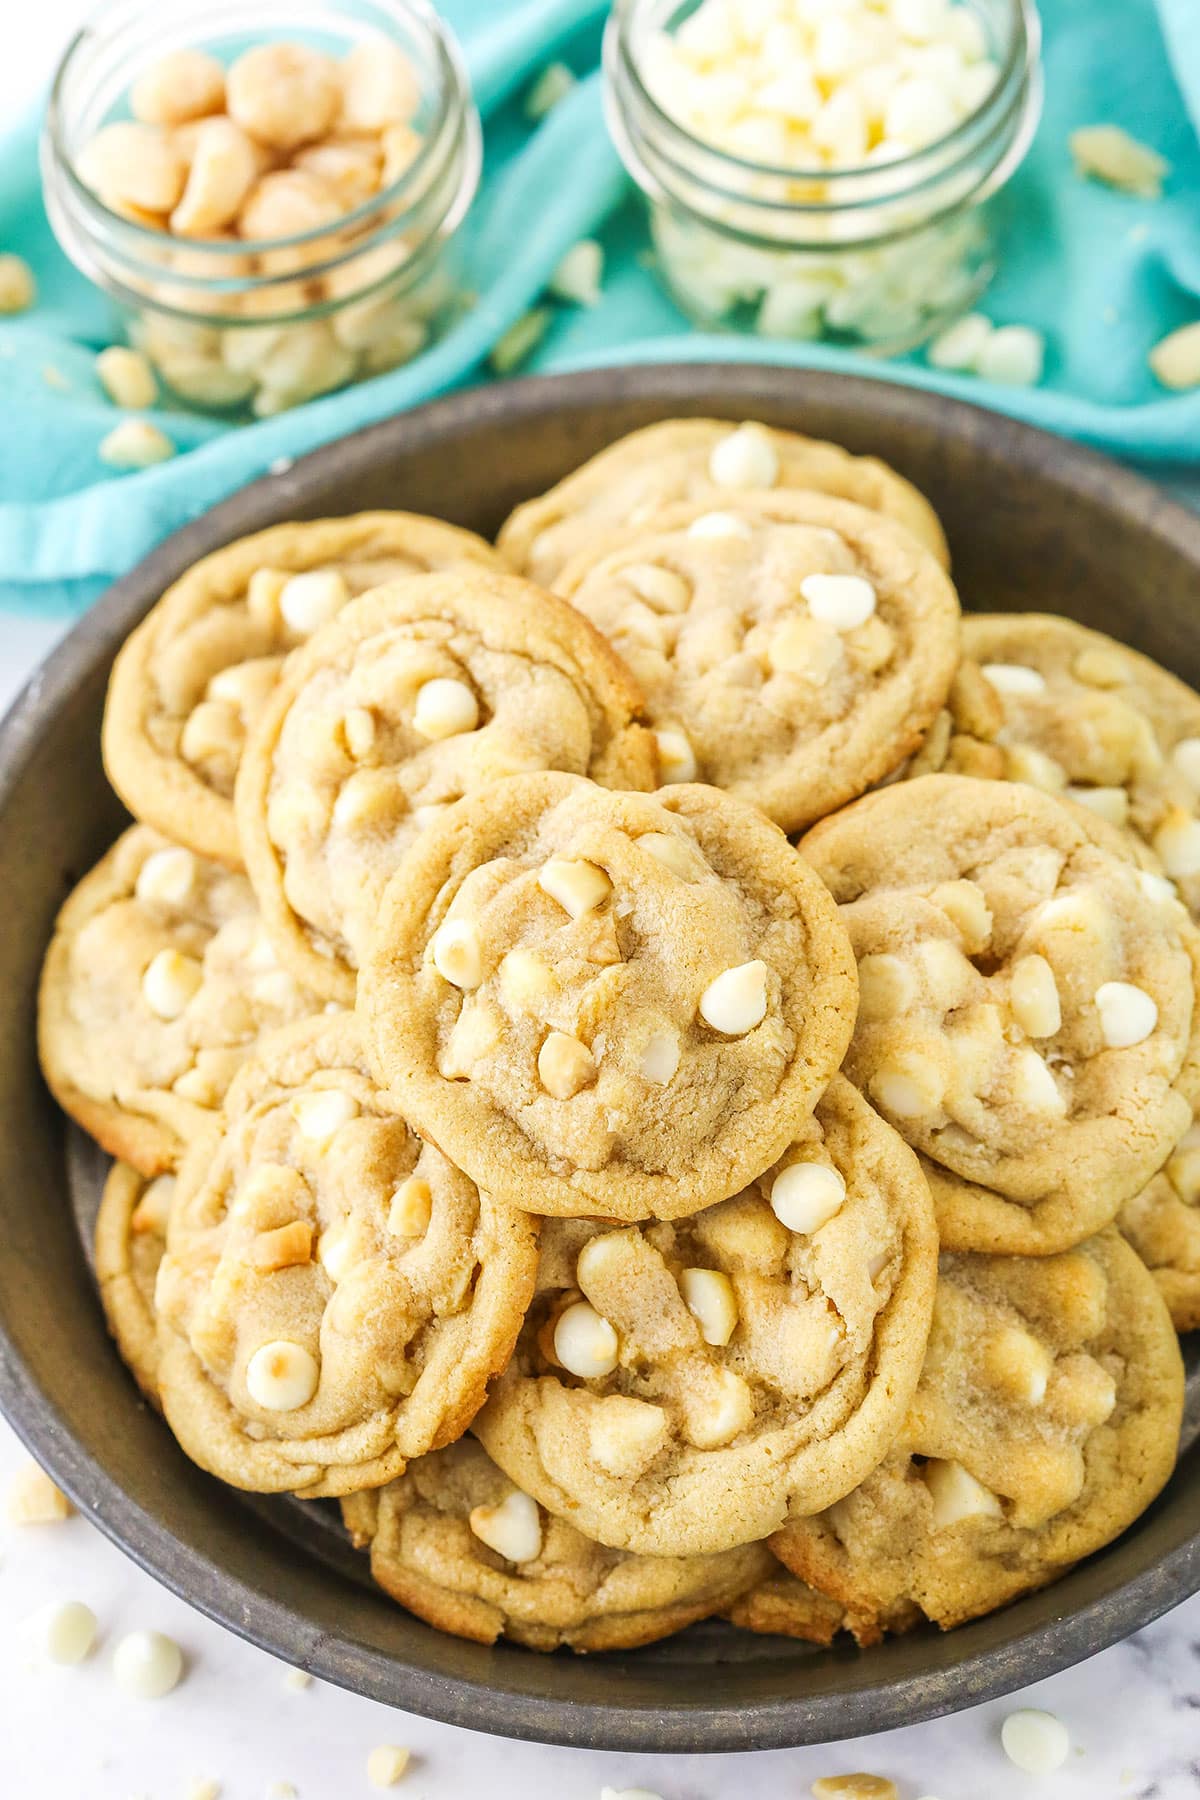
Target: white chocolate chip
[
  {"x": 1111, "y": 803},
  {"x": 737, "y": 1000},
  {"x": 1033, "y": 996},
  {"x": 1177, "y": 844},
  {"x": 457, "y": 955},
  {"x": 959, "y": 347},
  {"x": 565, "y": 1066},
  {"x": 1035, "y": 1741},
  {"x": 338, "y": 1252},
  {"x": 167, "y": 877},
  {"x": 1014, "y": 678},
  {"x": 1013, "y": 355},
  {"x": 147, "y": 1665},
  {"x": 386, "y": 1765},
  {"x": 321, "y": 1113},
  {"x": 135, "y": 444},
  {"x": 745, "y": 459},
  {"x": 126, "y": 377},
  {"x": 887, "y": 986},
  {"x": 1156, "y": 887},
  {"x": 843, "y": 601},
  {"x": 551, "y": 87},
  {"x": 579, "y": 276},
  {"x": 170, "y": 982},
  {"x": 806, "y": 1195},
  {"x": 956, "y": 1495},
  {"x": 18, "y": 289},
  {"x": 677, "y": 759},
  {"x": 1128, "y": 1015},
  {"x": 64, "y": 1631},
  {"x": 1034, "y": 1085},
  {"x": 310, "y": 600},
  {"x": 660, "y": 1058},
  {"x": 584, "y": 1343},
  {"x": 1185, "y": 759},
  {"x": 708, "y": 1296},
  {"x": 1175, "y": 359},
  {"x": 445, "y": 708},
  {"x": 513, "y": 1529},
  {"x": 411, "y": 1208},
  {"x": 578, "y": 887},
  {"x": 720, "y": 525},
  {"x": 33, "y": 1499},
  {"x": 282, "y": 1376}
]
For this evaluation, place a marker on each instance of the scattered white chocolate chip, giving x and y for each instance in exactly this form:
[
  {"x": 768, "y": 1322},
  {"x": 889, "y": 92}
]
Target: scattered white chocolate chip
[
  {"x": 513, "y": 1529},
  {"x": 445, "y": 707},
  {"x": 736, "y": 1001},
  {"x": 1109, "y": 154},
  {"x": 1177, "y": 844},
  {"x": 1175, "y": 359},
  {"x": 578, "y": 887},
  {"x": 456, "y": 953},
  {"x": 959, "y": 347},
  {"x": 126, "y": 377},
  {"x": 676, "y": 758},
  {"x": 579, "y": 275},
  {"x": 411, "y": 1208},
  {"x": 167, "y": 877},
  {"x": 565, "y": 1066},
  {"x": 33, "y": 1499},
  {"x": 322, "y": 1112},
  {"x": 745, "y": 459},
  {"x": 183, "y": 85},
  {"x": 1033, "y": 995},
  {"x": 584, "y": 1343},
  {"x": 170, "y": 982},
  {"x": 805, "y": 1195},
  {"x": 18, "y": 290},
  {"x": 709, "y": 1297},
  {"x": 296, "y": 1680},
  {"x": 552, "y": 86},
  {"x": 64, "y": 1631},
  {"x": 135, "y": 444},
  {"x": 956, "y": 1495},
  {"x": 1128, "y": 1015},
  {"x": 1035, "y": 1741},
  {"x": 843, "y": 601},
  {"x": 660, "y": 1058},
  {"x": 310, "y": 600},
  {"x": 1014, "y": 678},
  {"x": 282, "y": 1376},
  {"x": 387, "y": 1764},
  {"x": 720, "y": 525},
  {"x": 147, "y": 1664}
]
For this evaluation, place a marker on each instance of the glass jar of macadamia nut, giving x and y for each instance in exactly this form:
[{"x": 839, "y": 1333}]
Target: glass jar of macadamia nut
[
  {"x": 820, "y": 169},
  {"x": 270, "y": 190}
]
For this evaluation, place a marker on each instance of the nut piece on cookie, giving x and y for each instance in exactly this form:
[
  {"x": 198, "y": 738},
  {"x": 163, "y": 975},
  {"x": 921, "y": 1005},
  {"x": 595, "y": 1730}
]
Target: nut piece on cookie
[
  {"x": 456, "y": 1543},
  {"x": 1029, "y": 1018},
  {"x": 305, "y": 1344},
  {"x": 710, "y": 463},
  {"x": 416, "y": 694},
  {"x": 686, "y": 1386},
  {"x": 581, "y": 994},
  {"x": 796, "y": 662},
  {"x": 1000, "y": 1482}
]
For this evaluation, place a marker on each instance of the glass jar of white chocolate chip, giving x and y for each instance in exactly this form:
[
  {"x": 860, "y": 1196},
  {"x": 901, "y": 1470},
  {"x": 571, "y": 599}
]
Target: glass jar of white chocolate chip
[
  {"x": 270, "y": 190},
  {"x": 823, "y": 171}
]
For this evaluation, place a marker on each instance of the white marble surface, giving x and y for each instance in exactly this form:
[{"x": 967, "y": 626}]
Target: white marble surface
[{"x": 69, "y": 1734}]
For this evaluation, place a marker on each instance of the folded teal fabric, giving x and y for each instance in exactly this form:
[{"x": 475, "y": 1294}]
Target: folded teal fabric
[{"x": 1103, "y": 274}]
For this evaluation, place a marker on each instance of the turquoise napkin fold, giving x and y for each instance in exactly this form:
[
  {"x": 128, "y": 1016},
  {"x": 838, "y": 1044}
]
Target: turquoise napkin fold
[{"x": 1103, "y": 274}]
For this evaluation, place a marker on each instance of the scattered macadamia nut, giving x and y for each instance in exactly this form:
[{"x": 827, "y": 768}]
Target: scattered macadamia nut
[
  {"x": 284, "y": 94},
  {"x": 1175, "y": 360},
  {"x": 135, "y": 444},
  {"x": 184, "y": 85},
  {"x": 126, "y": 377},
  {"x": 18, "y": 290},
  {"x": 33, "y": 1498},
  {"x": 134, "y": 165},
  {"x": 387, "y": 1764}
]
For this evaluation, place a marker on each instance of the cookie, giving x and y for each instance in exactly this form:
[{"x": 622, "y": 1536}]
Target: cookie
[
  {"x": 157, "y": 983},
  {"x": 456, "y": 1543},
  {"x": 710, "y": 460},
  {"x": 335, "y": 1295},
  {"x": 1046, "y": 1419},
  {"x": 782, "y": 1606},
  {"x": 681, "y": 1388},
  {"x": 793, "y": 657},
  {"x": 131, "y": 1235},
  {"x": 191, "y": 680},
  {"x": 1163, "y": 1225},
  {"x": 962, "y": 739},
  {"x": 416, "y": 694},
  {"x": 594, "y": 1002},
  {"x": 1088, "y": 718},
  {"x": 1027, "y": 1013}
]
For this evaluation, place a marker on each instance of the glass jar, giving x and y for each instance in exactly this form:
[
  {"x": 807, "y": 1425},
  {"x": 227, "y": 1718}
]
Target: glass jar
[
  {"x": 878, "y": 256},
  {"x": 251, "y": 327}
]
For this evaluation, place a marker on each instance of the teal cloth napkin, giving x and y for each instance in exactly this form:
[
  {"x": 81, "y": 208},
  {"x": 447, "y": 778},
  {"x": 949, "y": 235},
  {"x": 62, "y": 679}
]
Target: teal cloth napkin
[{"x": 1103, "y": 274}]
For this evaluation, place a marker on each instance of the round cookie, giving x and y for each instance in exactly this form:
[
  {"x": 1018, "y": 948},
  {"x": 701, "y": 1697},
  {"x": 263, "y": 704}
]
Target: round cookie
[
  {"x": 1047, "y": 1418},
  {"x": 418, "y": 693},
  {"x": 1027, "y": 1013},
  {"x": 708, "y": 460},
  {"x": 1163, "y": 1225},
  {"x": 456, "y": 1543},
  {"x": 622, "y": 1004},
  {"x": 156, "y": 986},
  {"x": 793, "y": 657},
  {"x": 131, "y": 1235},
  {"x": 1086, "y": 717},
  {"x": 191, "y": 680},
  {"x": 681, "y": 1388},
  {"x": 335, "y": 1295},
  {"x": 962, "y": 739}
]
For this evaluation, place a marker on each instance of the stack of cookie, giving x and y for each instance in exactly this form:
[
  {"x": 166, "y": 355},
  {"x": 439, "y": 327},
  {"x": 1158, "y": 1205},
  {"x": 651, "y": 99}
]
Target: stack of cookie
[{"x": 629, "y": 1214}]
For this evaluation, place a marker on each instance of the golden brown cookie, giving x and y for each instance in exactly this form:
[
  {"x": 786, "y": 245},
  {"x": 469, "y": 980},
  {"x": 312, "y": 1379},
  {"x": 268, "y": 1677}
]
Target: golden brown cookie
[
  {"x": 681, "y": 1388},
  {"x": 1047, "y": 1418},
  {"x": 157, "y": 983},
  {"x": 782, "y": 1606},
  {"x": 420, "y": 692},
  {"x": 196, "y": 673},
  {"x": 1027, "y": 1013},
  {"x": 710, "y": 460},
  {"x": 456, "y": 1543},
  {"x": 1088, "y": 718},
  {"x": 608, "y": 1003},
  {"x": 1163, "y": 1225},
  {"x": 962, "y": 739},
  {"x": 335, "y": 1295},
  {"x": 131, "y": 1235},
  {"x": 794, "y": 657}
]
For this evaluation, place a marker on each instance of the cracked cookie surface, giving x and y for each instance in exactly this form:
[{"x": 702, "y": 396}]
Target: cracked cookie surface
[{"x": 607, "y": 1003}]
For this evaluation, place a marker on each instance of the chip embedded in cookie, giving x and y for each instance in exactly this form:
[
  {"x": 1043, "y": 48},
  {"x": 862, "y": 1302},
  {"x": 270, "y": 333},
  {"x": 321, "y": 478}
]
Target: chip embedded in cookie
[
  {"x": 192, "y": 679},
  {"x": 131, "y": 1235},
  {"x": 680, "y": 1388},
  {"x": 709, "y": 460},
  {"x": 1027, "y": 1016},
  {"x": 603, "y": 1003},
  {"x": 793, "y": 658},
  {"x": 1162, "y": 1223},
  {"x": 418, "y": 693},
  {"x": 1088, "y": 718},
  {"x": 157, "y": 982},
  {"x": 455, "y": 1542},
  {"x": 1046, "y": 1420},
  {"x": 335, "y": 1295}
]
